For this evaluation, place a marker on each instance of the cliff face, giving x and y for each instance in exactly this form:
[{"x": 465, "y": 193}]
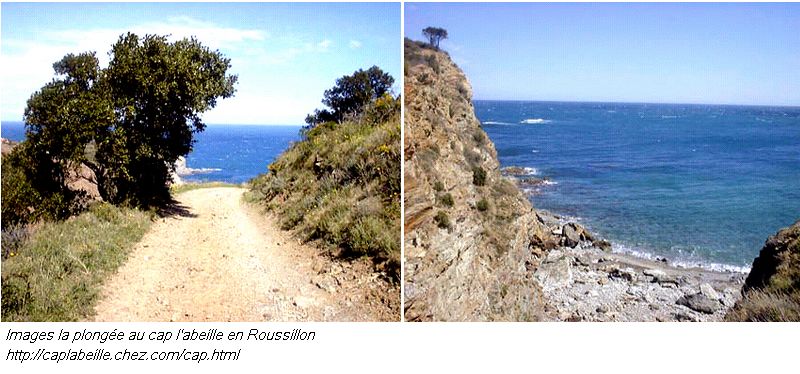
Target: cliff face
[
  {"x": 472, "y": 239},
  {"x": 772, "y": 290}
]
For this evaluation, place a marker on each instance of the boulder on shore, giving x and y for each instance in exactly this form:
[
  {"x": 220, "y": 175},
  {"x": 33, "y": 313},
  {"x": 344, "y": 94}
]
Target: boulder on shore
[
  {"x": 573, "y": 234},
  {"x": 700, "y": 303}
]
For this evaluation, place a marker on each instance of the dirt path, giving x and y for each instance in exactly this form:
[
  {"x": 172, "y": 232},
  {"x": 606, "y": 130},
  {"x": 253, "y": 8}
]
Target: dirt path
[{"x": 217, "y": 259}]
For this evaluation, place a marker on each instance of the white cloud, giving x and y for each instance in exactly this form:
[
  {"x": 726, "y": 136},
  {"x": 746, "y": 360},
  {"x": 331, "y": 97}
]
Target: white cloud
[
  {"x": 323, "y": 45},
  {"x": 354, "y": 44},
  {"x": 27, "y": 64}
]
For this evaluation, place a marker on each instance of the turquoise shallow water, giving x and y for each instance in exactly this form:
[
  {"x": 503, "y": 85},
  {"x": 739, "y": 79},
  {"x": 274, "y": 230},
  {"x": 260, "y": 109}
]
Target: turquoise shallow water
[
  {"x": 228, "y": 153},
  {"x": 697, "y": 184}
]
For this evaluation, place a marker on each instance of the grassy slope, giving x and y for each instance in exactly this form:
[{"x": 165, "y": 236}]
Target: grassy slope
[
  {"x": 56, "y": 274},
  {"x": 772, "y": 291},
  {"x": 341, "y": 185}
]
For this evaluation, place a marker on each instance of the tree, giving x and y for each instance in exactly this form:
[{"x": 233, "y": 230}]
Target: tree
[
  {"x": 434, "y": 35},
  {"x": 351, "y": 94},
  {"x": 129, "y": 122}
]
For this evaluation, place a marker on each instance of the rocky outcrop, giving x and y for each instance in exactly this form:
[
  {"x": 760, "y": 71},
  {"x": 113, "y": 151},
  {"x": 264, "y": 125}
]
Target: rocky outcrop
[
  {"x": 82, "y": 178},
  {"x": 78, "y": 178},
  {"x": 778, "y": 263},
  {"x": 772, "y": 290},
  {"x": 472, "y": 239},
  {"x": 179, "y": 169}
]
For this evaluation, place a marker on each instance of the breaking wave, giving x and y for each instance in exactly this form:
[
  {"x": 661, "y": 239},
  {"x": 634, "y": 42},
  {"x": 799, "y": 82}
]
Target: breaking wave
[{"x": 535, "y": 121}]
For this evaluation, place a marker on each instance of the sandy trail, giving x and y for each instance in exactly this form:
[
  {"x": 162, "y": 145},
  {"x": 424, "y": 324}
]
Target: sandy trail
[{"x": 218, "y": 260}]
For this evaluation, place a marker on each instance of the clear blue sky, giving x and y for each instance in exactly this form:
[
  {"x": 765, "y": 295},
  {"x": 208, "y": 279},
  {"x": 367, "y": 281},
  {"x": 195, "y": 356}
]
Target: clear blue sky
[
  {"x": 660, "y": 53},
  {"x": 286, "y": 55}
]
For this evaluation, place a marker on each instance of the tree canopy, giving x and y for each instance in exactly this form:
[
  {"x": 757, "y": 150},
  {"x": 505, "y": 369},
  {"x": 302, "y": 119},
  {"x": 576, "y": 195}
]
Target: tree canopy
[
  {"x": 434, "y": 35},
  {"x": 351, "y": 94},
  {"x": 128, "y": 122}
]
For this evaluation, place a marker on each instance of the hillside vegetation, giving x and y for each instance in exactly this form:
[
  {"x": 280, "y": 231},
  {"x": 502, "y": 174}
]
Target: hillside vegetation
[
  {"x": 55, "y": 273},
  {"x": 772, "y": 289},
  {"x": 340, "y": 185}
]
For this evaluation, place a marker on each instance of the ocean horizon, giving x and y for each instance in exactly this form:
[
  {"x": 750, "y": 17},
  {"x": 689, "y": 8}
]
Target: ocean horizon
[
  {"x": 222, "y": 153},
  {"x": 701, "y": 185}
]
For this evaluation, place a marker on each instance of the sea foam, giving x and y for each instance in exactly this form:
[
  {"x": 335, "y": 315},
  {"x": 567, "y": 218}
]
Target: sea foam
[
  {"x": 680, "y": 263},
  {"x": 535, "y": 121},
  {"x": 495, "y": 123}
]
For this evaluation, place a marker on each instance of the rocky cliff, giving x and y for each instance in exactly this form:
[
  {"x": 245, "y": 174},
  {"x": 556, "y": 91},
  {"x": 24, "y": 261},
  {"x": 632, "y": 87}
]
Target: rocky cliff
[
  {"x": 772, "y": 290},
  {"x": 472, "y": 239}
]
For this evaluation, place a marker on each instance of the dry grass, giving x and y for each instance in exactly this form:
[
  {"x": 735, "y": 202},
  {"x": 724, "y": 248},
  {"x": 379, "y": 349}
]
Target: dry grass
[
  {"x": 760, "y": 306},
  {"x": 772, "y": 291},
  {"x": 56, "y": 274}
]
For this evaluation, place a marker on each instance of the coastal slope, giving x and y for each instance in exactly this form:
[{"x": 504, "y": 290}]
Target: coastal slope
[
  {"x": 472, "y": 238},
  {"x": 338, "y": 190},
  {"x": 476, "y": 250},
  {"x": 771, "y": 291}
]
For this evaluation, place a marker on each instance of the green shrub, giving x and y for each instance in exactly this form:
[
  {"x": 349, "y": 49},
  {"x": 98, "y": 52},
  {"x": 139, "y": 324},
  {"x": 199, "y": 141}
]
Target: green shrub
[
  {"x": 138, "y": 115},
  {"x": 482, "y": 205},
  {"x": 447, "y": 200},
  {"x": 442, "y": 220},
  {"x": 370, "y": 236},
  {"x": 463, "y": 90},
  {"x": 473, "y": 158},
  {"x": 438, "y": 186},
  {"x": 479, "y": 137},
  {"x": 478, "y": 176},
  {"x": 425, "y": 78},
  {"x": 26, "y": 199},
  {"x": 431, "y": 61}
]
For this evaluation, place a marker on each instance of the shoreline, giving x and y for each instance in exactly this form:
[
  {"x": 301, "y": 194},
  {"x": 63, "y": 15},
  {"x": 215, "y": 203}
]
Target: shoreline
[
  {"x": 591, "y": 282},
  {"x": 529, "y": 181},
  {"x": 587, "y": 284}
]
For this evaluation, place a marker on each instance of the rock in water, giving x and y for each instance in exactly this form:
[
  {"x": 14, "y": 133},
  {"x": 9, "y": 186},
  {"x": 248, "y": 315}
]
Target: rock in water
[{"x": 700, "y": 303}]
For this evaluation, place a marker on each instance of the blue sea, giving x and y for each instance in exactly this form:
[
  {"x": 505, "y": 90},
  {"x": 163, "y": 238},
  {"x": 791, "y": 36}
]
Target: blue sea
[
  {"x": 227, "y": 153},
  {"x": 700, "y": 185}
]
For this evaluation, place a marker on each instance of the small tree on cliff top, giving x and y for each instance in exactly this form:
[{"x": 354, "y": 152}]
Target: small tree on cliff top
[
  {"x": 137, "y": 116},
  {"x": 434, "y": 35},
  {"x": 351, "y": 94}
]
